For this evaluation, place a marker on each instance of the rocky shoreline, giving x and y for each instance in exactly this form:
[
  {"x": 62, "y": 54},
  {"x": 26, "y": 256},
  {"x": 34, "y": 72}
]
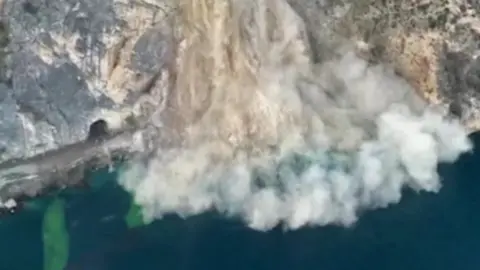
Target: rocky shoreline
[{"x": 57, "y": 169}]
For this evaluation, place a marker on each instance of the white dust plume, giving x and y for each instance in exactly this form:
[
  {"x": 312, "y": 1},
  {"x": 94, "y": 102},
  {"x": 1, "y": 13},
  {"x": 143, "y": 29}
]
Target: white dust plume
[{"x": 253, "y": 129}]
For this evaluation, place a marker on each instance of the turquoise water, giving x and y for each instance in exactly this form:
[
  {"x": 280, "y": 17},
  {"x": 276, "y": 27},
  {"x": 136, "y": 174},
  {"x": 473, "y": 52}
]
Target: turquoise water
[{"x": 424, "y": 231}]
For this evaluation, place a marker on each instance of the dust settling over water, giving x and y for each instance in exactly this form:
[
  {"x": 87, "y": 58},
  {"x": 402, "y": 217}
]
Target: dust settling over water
[{"x": 254, "y": 129}]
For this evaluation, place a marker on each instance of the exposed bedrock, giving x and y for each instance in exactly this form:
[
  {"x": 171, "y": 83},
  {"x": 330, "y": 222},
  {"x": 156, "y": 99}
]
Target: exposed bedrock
[
  {"x": 68, "y": 64},
  {"x": 434, "y": 45},
  {"x": 65, "y": 64}
]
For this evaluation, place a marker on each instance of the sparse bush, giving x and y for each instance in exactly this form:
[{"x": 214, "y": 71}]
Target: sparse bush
[
  {"x": 372, "y": 20},
  {"x": 4, "y": 41}
]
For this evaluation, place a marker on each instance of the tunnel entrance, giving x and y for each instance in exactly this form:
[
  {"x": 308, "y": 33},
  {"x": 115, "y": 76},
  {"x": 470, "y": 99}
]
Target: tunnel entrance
[{"x": 98, "y": 130}]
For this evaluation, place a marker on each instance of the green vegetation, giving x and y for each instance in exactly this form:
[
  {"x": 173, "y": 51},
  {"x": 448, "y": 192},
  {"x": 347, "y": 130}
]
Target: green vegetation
[
  {"x": 372, "y": 20},
  {"x": 4, "y": 41},
  {"x": 134, "y": 217},
  {"x": 55, "y": 236}
]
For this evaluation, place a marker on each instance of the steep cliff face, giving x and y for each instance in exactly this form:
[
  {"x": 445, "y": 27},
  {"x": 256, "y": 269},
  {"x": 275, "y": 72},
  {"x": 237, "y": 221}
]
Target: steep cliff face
[
  {"x": 65, "y": 64},
  {"x": 235, "y": 90},
  {"x": 432, "y": 44}
]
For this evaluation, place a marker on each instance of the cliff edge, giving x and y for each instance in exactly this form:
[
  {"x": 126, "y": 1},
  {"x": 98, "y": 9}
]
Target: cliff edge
[{"x": 65, "y": 65}]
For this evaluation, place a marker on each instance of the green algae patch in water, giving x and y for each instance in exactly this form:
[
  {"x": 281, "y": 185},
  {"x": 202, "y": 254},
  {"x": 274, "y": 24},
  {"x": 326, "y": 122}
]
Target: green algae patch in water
[
  {"x": 55, "y": 236},
  {"x": 126, "y": 172},
  {"x": 134, "y": 217}
]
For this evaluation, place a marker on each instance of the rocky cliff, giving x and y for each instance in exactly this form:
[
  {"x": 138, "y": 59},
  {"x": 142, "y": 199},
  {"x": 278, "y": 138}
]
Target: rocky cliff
[
  {"x": 434, "y": 45},
  {"x": 65, "y": 64}
]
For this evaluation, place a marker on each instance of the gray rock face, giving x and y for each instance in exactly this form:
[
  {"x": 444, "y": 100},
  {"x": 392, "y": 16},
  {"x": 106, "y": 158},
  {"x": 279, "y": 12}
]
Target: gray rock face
[
  {"x": 65, "y": 64},
  {"x": 68, "y": 63}
]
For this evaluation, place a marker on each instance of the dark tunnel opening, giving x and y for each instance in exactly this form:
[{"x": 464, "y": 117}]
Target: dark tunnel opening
[{"x": 98, "y": 130}]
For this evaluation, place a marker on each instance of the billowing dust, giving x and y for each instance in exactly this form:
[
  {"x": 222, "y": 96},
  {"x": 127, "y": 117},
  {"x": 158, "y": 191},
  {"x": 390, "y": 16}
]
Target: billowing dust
[{"x": 254, "y": 129}]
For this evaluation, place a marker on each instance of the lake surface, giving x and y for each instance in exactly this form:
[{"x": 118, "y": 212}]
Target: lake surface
[{"x": 91, "y": 229}]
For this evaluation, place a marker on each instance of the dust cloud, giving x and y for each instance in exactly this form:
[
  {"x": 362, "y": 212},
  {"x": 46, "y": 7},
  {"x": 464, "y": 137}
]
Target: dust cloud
[{"x": 254, "y": 129}]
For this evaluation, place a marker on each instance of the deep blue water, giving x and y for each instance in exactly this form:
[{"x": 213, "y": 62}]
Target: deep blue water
[{"x": 424, "y": 231}]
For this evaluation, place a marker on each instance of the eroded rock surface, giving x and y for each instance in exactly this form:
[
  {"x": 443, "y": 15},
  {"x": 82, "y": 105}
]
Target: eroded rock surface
[
  {"x": 66, "y": 64},
  {"x": 434, "y": 45}
]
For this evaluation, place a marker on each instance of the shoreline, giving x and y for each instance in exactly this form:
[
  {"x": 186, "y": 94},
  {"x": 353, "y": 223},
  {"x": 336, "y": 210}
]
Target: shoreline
[{"x": 25, "y": 179}]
